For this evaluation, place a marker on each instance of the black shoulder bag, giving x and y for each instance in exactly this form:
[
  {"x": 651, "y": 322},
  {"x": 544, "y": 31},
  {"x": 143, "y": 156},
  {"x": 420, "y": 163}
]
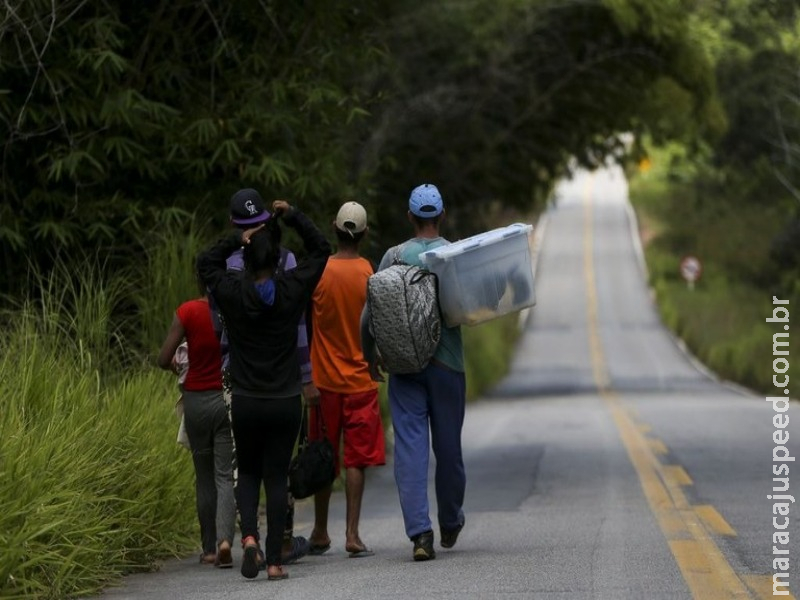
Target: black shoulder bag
[{"x": 312, "y": 469}]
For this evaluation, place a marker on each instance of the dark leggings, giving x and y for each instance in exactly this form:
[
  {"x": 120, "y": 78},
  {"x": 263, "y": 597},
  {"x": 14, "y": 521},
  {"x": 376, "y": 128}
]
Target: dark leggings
[{"x": 265, "y": 431}]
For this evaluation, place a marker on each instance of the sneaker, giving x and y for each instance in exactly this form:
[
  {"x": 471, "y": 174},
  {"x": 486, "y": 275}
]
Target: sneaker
[
  {"x": 450, "y": 536},
  {"x": 423, "y": 546},
  {"x": 250, "y": 560}
]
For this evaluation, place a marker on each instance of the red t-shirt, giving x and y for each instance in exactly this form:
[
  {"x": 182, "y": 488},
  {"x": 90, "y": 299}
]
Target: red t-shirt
[{"x": 205, "y": 357}]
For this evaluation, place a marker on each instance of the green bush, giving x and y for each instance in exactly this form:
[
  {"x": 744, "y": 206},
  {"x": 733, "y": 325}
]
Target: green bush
[{"x": 723, "y": 323}]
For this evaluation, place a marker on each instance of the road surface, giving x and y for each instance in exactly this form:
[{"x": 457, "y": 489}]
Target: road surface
[{"x": 607, "y": 465}]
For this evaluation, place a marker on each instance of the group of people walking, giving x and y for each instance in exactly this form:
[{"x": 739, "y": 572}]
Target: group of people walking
[{"x": 269, "y": 333}]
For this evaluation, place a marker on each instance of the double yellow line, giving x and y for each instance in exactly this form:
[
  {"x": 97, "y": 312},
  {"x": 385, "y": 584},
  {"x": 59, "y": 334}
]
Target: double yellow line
[{"x": 688, "y": 529}]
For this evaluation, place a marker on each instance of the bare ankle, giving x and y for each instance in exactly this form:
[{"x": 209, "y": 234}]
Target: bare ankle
[{"x": 319, "y": 536}]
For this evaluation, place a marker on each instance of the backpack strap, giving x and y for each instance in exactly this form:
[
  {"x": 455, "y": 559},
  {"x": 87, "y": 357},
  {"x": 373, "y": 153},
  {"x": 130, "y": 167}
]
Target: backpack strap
[{"x": 397, "y": 259}]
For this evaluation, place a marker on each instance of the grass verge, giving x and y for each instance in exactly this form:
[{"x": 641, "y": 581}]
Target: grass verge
[
  {"x": 92, "y": 483},
  {"x": 723, "y": 318}
]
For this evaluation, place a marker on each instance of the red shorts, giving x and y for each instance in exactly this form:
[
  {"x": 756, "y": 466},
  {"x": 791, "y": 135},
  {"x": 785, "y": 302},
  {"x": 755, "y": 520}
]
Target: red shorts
[{"x": 354, "y": 420}]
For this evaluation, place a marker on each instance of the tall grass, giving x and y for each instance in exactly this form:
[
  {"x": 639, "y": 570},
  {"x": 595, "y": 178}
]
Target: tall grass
[
  {"x": 168, "y": 277},
  {"x": 92, "y": 484},
  {"x": 723, "y": 323}
]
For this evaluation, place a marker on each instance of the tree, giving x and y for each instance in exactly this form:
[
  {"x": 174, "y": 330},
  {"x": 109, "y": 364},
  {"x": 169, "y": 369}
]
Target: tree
[
  {"x": 492, "y": 99},
  {"x": 117, "y": 115}
]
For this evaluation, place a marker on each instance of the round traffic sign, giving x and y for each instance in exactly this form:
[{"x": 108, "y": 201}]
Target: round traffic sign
[{"x": 691, "y": 268}]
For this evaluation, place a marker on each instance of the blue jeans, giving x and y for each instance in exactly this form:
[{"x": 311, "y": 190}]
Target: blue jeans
[{"x": 433, "y": 400}]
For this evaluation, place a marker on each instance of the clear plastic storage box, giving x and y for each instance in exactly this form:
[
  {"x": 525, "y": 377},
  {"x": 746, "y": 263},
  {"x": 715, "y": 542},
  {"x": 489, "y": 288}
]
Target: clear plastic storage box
[{"x": 484, "y": 276}]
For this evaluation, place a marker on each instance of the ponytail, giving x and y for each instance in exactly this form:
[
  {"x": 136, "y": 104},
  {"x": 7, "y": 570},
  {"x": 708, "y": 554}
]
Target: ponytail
[{"x": 263, "y": 251}]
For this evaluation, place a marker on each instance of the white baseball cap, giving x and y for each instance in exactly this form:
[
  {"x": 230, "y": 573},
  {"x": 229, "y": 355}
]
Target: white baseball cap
[{"x": 352, "y": 218}]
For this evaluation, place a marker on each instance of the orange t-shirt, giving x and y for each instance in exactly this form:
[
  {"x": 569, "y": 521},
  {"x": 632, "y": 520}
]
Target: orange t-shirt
[{"x": 337, "y": 362}]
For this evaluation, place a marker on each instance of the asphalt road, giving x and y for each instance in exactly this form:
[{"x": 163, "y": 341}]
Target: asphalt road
[{"x": 607, "y": 465}]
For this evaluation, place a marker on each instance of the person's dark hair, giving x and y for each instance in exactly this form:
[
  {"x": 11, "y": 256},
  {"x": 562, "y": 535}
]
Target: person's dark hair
[
  {"x": 420, "y": 222},
  {"x": 264, "y": 250},
  {"x": 350, "y": 241}
]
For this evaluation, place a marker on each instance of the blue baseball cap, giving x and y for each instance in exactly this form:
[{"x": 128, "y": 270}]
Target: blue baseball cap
[{"x": 426, "y": 201}]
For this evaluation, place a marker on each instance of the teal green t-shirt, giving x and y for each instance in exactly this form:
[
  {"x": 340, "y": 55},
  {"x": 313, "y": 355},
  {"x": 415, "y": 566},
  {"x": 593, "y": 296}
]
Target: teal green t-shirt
[{"x": 450, "y": 351}]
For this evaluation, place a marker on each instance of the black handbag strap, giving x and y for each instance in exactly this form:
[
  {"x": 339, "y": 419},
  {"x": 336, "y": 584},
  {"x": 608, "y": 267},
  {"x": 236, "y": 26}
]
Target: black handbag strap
[
  {"x": 303, "y": 438},
  {"x": 321, "y": 421}
]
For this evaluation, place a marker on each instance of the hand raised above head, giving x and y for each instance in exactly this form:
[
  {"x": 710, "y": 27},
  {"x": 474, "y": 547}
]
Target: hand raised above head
[
  {"x": 248, "y": 233},
  {"x": 280, "y": 207}
]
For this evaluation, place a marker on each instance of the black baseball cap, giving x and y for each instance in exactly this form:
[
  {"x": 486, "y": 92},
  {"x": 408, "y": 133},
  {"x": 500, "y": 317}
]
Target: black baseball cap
[{"x": 247, "y": 208}]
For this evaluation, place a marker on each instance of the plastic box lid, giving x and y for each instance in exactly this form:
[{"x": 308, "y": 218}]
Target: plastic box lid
[{"x": 476, "y": 241}]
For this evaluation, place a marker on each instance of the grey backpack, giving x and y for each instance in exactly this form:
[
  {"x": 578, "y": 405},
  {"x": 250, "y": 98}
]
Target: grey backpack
[{"x": 404, "y": 316}]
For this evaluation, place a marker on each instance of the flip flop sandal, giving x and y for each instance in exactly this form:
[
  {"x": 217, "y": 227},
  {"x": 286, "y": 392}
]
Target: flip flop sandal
[
  {"x": 283, "y": 575},
  {"x": 300, "y": 547},
  {"x": 224, "y": 558},
  {"x": 362, "y": 553},
  {"x": 319, "y": 549}
]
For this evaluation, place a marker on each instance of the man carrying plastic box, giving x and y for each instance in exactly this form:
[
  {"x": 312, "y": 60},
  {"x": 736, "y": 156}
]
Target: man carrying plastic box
[{"x": 432, "y": 400}]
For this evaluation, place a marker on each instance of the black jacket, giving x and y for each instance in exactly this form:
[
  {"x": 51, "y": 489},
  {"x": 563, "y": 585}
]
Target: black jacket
[{"x": 262, "y": 336}]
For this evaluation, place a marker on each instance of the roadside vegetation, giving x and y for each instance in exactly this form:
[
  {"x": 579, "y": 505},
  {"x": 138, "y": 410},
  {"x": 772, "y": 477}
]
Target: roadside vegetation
[
  {"x": 735, "y": 205},
  {"x": 92, "y": 483},
  {"x": 722, "y": 318}
]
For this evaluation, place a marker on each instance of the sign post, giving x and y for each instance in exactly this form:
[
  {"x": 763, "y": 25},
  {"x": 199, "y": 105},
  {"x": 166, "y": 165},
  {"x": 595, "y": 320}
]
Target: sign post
[{"x": 691, "y": 269}]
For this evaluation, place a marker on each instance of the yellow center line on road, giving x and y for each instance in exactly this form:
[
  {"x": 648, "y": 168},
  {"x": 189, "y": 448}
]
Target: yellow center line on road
[
  {"x": 704, "y": 567},
  {"x": 677, "y": 475},
  {"x": 657, "y": 446},
  {"x": 762, "y": 586},
  {"x": 713, "y": 520}
]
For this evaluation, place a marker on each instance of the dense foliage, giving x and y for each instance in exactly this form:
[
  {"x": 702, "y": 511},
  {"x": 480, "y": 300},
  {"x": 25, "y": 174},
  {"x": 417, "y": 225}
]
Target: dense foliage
[
  {"x": 734, "y": 204},
  {"x": 118, "y": 117},
  {"x": 737, "y": 203},
  {"x": 115, "y": 114},
  {"x": 493, "y": 98}
]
